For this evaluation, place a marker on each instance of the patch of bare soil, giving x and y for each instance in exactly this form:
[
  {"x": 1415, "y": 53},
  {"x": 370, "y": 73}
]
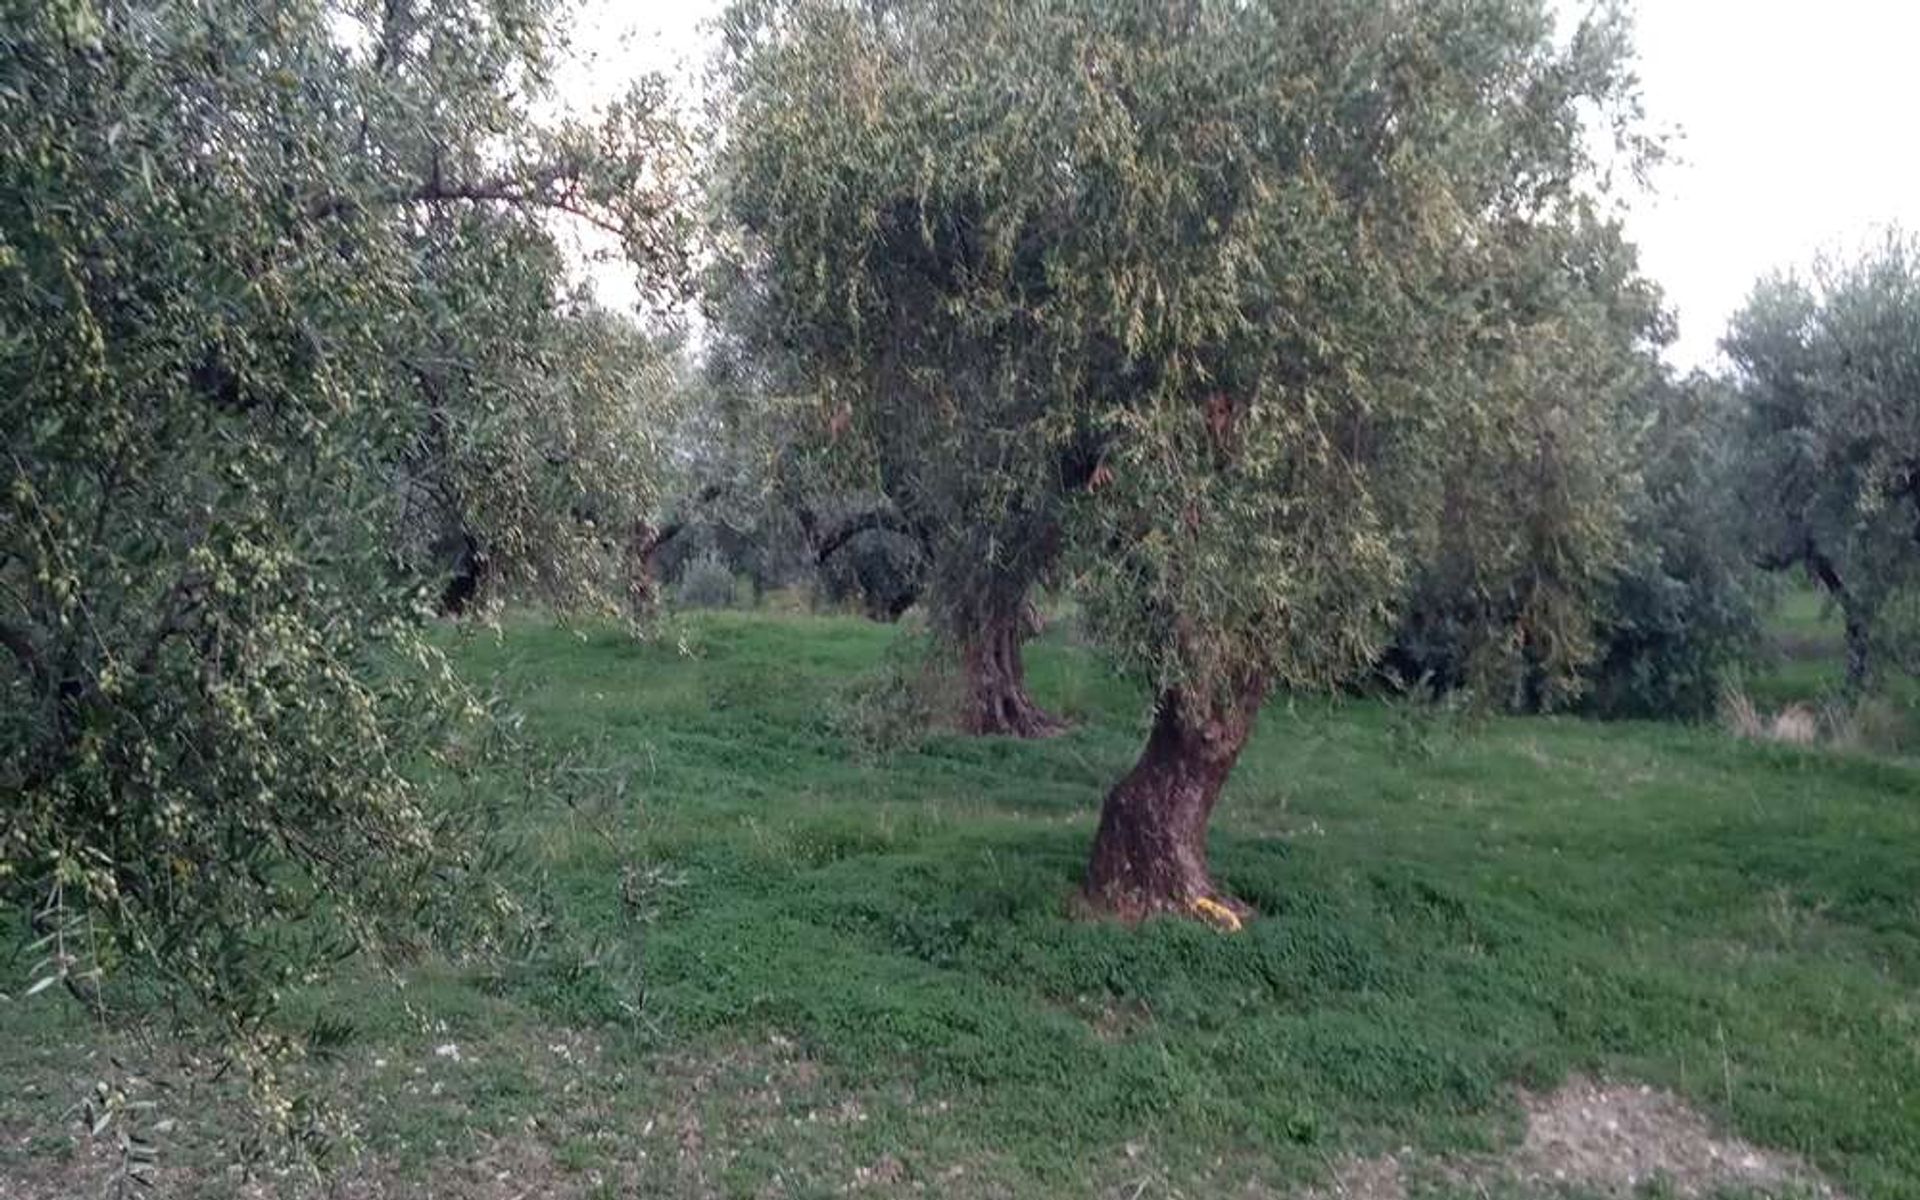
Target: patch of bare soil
[
  {"x": 1614, "y": 1138},
  {"x": 1609, "y": 1139},
  {"x": 516, "y": 1168}
]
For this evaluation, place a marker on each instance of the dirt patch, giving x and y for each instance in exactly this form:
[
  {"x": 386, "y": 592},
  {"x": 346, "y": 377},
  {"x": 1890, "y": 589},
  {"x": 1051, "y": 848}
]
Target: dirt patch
[
  {"x": 1615, "y": 1138},
  {"x": 1596, "y": 1138},
  {"x": 516, "y": 1168},
  {"x": 694, "y": 1123}
]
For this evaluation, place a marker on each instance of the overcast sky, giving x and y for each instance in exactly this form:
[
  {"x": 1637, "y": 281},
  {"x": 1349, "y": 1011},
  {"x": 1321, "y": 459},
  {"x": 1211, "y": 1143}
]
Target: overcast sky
[{"x": 1795, "y": 123}]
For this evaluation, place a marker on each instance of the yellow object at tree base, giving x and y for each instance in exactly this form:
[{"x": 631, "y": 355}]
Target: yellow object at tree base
[{"x": 1216, "y": 912}]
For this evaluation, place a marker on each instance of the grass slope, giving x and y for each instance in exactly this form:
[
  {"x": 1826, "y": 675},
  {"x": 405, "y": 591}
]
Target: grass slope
[{"x": 810, "y": 969}]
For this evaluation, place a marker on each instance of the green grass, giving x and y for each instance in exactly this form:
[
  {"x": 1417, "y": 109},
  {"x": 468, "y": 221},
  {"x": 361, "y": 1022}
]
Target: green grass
[
  {"x": 1803, "y": 657},
  {"x": 829, "y": 968},
  {"x": 1802, "y": 663}
]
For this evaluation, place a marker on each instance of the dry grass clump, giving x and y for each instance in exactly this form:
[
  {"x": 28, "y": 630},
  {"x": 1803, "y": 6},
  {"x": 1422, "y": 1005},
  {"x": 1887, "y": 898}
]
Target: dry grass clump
[
  {"x": 1794, "y": 725},
  {"x": 1869, "y": 724}
]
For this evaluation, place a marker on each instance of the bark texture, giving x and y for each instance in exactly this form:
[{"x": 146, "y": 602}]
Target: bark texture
[
  {"x": 1150, "y": 854},
  {"x": 996, "y": 679}
]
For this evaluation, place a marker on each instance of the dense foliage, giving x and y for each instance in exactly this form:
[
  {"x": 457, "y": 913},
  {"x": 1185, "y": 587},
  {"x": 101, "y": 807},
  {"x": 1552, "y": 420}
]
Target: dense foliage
[
  {"x": 1829, "y": 373},
  {"x": 268, "y": 271},
  {"x": 897, "y": 311},
  {"x": 1250, "y": 271},
  {"x": 1590, "y": 548},
  {"x": 534, "y": 441},
  {"x": 1682, "y": 611},
  {"x": 1535, "y": 494}
]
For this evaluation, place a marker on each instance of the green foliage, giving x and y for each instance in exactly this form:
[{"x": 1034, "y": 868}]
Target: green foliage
[
  {"x": 1832, "y": 440},
  {"x": 705, "y": 582},
  {"x": 766, "y": 479},
  {"x": 1646, "y": 615},
  {"x": 252, "y": 259},
  {"x": 896, "y": 707},
  {"x": 1683, "y": 612},
  {"x": 1539, "y": 487},
  {"x": 1244, "y": 267},
  {"x": 729, "y": 467},
  {"x": 535, "y": 446}
]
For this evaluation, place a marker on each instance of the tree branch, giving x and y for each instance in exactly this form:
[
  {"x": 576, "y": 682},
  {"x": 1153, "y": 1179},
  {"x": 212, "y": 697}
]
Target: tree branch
[
  {"x": 535, "y": 192},
  {"x": 871, "y": 520}
]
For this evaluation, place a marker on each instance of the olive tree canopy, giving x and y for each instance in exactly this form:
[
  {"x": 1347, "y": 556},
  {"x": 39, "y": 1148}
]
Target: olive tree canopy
[
  {"x": 260, "y": 263},
  {"x": 890, "y": 303},
  {"x": 1829, "y": 374},
  {"x": 1232, "y": 277}
]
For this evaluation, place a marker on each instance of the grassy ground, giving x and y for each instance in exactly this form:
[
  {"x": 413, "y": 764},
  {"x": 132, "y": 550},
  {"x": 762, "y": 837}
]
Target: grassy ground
[
  {"x": 1804, "y": 659},
  {"x": 790, "y": 962},
  {"x": 1802, "y": 665}
]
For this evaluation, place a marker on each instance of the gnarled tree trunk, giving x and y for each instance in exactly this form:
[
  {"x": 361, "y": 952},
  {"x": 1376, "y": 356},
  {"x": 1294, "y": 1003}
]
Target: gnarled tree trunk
[
  {"x": 1859, "y": 628},
  {"x": 640, "y": 555},
  {"x": 996, "y": 677},
  {"x": 1150, "y": 854},
  {"x": 471, "y": 570},
  {"x": 1859, "y": 649}
]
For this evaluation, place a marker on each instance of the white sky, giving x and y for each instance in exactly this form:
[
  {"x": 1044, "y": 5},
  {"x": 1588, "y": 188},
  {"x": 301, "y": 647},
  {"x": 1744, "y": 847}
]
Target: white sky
[{"x": 1796, "y": 123}]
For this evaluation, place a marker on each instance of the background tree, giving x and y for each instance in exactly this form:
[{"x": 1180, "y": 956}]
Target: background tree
[
  {"x": 1590, "y": 547},
  {"x": 536, "y": 448},
  {"x": 1535, "y": 484},
  {"x": 892, "y": 302},
  {"x": 538, "y": 436},
  {"x": 1683, "y": 609},
  {"x": 230, "y": 239},
  {"x": 1829, "y": 374},
  {"x": 761, "y": 480}
]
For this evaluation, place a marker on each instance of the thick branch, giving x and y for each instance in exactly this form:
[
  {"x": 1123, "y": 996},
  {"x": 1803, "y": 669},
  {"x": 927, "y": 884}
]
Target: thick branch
[{"x": 881, "y": 519}]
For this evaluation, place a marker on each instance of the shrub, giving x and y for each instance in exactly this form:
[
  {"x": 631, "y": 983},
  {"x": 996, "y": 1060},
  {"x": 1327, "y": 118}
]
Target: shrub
[
  {"x": 894, "y": 708},
  {"x": 706, "y": 582}
]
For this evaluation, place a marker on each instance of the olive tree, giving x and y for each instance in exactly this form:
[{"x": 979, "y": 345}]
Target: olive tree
[
  {"x": 894, "y": 309},
  {"x": 1828, "y": 371},
  {"x": 1682, "y": 610},
  {"x": 237, "y": 247},
  {"x": 1315, "y": 231},
  {"x": 1536, "y": 486},
  {"x": 535, "y": 436},
  {"x": 1239, "y": 271}
]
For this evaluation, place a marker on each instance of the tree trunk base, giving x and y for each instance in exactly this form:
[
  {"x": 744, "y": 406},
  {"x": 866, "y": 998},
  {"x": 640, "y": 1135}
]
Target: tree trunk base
[
  {"x": 996, "y": 702},
  {"x": 1009, "y": 712},
  {"x": 1150, "y": 854},
  {"x": 1226, "y": 912}
]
